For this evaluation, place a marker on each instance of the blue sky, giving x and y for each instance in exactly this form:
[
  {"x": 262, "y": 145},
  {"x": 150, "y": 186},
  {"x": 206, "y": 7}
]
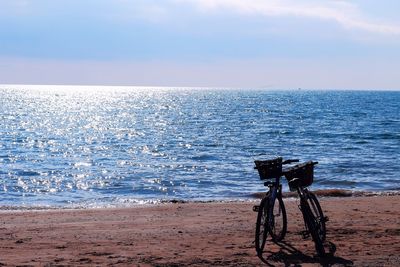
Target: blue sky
[{"x": 223, "y": 43}]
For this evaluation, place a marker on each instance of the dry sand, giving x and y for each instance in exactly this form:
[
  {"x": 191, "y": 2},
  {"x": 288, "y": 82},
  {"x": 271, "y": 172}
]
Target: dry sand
[{"x": 365, "y": 230}]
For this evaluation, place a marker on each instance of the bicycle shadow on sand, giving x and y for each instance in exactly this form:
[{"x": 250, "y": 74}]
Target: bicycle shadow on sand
[{"x": 291, "y": 256}]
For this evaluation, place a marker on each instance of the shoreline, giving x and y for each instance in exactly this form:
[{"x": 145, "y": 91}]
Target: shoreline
[
  {"x": 365, "y": 231},
  {"x": 254, "y": 197}
]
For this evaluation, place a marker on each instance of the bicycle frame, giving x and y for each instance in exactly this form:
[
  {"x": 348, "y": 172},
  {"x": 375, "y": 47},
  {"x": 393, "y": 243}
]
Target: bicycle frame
[
  {"x": 314, "y": 226},
  {"x": 274, "y": 192},
  {"x": 302, "y": 195},
  {"x": 275, "y": 188},
  {"x": 301, "y": 191}
]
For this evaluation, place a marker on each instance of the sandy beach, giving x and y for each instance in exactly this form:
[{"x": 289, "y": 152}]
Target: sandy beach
[{"x": 365, "y": 231}]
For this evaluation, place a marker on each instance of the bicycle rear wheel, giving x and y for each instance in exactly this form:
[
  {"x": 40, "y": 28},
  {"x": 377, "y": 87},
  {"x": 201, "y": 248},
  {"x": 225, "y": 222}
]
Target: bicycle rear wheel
[
  {"x": 262, "y": 225},
  {"x": 312, "y": 226},
  {"x": 278, "y": 222},
  {"x": 316, "y": 210}
]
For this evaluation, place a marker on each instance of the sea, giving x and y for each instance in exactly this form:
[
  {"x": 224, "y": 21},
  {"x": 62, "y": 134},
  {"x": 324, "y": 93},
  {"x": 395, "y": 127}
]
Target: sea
[{"x": 88, "y": 146}]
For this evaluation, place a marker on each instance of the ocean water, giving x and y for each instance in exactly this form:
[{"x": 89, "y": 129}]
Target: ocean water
[{"x": 91, "y": 147}]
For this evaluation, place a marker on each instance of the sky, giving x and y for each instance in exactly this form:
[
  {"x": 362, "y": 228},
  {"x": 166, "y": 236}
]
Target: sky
[{"x": 271, "y": 44}]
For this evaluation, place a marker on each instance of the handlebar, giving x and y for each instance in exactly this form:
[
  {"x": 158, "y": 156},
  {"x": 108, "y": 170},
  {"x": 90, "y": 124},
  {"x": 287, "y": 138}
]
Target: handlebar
[{"x": 288, "y": 161}]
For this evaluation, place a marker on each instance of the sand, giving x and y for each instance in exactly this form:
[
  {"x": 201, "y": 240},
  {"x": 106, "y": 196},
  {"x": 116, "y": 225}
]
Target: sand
[{"x": 365, "y": 231}]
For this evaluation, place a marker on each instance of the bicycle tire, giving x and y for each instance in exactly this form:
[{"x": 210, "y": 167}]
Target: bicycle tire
[
  {"x": 262, "y": 226},
  {"x": 316, "y": 209},
  {"x": 311, "y": 223},
  {"x": 279, "y": 218}
]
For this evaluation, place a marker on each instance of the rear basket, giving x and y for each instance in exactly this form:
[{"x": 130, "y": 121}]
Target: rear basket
[
  {"x": 304, "y": 172},
  {"x": 268, "y": 169}
]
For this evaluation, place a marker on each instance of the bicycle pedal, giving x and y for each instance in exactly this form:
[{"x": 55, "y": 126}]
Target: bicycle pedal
[{"x": 256, "y": 208}]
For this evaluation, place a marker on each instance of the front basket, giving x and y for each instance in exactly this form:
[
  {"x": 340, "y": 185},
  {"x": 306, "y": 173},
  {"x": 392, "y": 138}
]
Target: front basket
[
  {"x": 304, "y": 172},
  {"x": 268, "y": 169}
]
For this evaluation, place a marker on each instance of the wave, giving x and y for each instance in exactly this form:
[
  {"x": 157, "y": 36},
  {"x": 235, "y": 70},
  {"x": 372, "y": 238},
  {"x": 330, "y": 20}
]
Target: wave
[{"x": 336, "y": 193}]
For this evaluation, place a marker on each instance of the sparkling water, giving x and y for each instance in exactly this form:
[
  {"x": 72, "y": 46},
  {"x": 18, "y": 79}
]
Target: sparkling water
[{"x": 97, "y": 146}]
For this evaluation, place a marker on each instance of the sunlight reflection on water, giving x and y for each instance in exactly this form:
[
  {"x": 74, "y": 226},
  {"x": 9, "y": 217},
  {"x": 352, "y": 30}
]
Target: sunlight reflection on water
[{"x": 63, "y": 145}]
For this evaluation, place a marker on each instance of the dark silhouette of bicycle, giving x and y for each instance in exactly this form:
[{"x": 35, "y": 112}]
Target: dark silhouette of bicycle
[
  {"x": 272, "y": 218},
  {"x": 299, "y": 177}
]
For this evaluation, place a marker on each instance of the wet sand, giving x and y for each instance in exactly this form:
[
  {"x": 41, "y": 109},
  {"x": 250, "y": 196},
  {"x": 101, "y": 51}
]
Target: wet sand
[{"x": 365, "y": 231}]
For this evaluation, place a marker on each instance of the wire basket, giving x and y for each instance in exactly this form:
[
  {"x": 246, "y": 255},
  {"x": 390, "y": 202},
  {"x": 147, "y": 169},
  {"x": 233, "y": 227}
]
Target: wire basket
[
  {"x": 304, "y": 172},
  {"x": 269, "y": 169}
]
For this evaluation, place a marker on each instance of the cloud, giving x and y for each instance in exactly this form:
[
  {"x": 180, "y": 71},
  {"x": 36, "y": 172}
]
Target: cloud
[{"x": 345, "y": 13}]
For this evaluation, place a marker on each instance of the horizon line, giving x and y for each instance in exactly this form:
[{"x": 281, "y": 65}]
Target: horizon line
[{"x": 250, "y": 88}]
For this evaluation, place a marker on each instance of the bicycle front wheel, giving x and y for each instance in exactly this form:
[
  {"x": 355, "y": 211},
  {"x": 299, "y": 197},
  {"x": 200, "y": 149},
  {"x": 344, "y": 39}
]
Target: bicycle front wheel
[
  {"x": 278, "y": 222},
  {"x": 312, "y": 226},
  {"x": 316, "y": 210},
  {"x": 262, "y": 225}
]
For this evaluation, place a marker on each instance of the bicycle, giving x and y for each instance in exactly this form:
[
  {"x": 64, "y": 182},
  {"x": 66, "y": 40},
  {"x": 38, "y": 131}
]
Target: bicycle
[
  {"x": 271, "y": 216},
  {"x": 299, "y": 177}
]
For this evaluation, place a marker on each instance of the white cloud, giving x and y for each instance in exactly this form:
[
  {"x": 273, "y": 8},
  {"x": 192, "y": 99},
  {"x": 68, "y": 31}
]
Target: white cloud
[{"x": 344, "y": 13}]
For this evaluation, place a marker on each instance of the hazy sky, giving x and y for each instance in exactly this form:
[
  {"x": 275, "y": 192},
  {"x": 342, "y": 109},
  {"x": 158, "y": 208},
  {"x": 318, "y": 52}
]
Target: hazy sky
[{"x": 224, "y": 43}]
